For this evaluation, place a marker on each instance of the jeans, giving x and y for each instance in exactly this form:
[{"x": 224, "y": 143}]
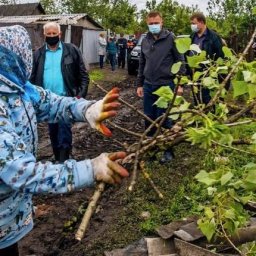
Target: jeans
[
  {"x": 60, "y": 135},
  {"x": 101, "y": 60},
  {"x": 112, "y": 60},
  {"x": 151, "y": 110}
]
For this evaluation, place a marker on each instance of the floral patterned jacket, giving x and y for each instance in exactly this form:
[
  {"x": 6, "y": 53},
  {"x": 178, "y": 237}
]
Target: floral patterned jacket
[{"x": 22, "y": 106}]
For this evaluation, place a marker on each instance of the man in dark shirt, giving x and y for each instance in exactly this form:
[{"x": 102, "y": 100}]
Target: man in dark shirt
[
  {"x": 121, "y": 46},
  {"x": 208, "y": 41}
]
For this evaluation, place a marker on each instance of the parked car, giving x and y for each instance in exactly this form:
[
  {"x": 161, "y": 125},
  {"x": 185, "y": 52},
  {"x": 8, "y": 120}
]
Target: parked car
[{"x": 133, "y": 60}]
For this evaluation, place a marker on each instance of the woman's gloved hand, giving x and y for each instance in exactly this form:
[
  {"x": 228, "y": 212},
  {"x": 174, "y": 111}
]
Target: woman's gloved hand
[
  {"x": 103, "y": 109},
  {"x": 107, "y": 170}
]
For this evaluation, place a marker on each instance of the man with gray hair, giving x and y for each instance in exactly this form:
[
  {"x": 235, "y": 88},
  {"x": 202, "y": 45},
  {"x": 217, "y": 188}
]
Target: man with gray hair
[{"x": 59, "y": 67}]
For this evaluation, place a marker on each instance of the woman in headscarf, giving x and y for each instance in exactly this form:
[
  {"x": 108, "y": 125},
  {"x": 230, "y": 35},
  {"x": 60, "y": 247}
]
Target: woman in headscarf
[{"x": 22, "y": 105}]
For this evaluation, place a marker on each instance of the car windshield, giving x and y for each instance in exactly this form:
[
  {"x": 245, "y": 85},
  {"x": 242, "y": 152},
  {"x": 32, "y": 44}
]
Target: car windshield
[{"x": 140, "y": 39}]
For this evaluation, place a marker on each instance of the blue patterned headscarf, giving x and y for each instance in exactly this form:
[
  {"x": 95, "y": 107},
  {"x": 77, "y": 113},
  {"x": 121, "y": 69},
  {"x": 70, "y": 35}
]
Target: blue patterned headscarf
[{"x": 16, "y": 61}]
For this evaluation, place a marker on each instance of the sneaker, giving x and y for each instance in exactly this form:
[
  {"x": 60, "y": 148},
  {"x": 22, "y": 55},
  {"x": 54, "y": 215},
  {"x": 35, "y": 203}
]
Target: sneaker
[{"x": 167, "y": 157}]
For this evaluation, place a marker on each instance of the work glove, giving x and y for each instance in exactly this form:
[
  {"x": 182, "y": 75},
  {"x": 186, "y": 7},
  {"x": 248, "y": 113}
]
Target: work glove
[
  {"x": 103, "y": 109},
  {"x": 107, "y": 170}
]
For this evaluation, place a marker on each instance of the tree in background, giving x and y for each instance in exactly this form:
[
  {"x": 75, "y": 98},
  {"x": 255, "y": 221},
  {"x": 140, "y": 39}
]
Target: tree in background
[{"x": 234, "y": 21}]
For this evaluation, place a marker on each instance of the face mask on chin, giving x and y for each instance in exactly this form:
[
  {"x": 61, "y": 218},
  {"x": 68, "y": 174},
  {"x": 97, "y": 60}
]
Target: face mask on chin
[
  {"x": 154, "y": 29},
  {"x": 194, "y": 28},
  {"x": 52, "y": 40}
]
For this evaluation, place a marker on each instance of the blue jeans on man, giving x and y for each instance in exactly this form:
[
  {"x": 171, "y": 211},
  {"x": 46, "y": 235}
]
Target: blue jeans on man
[
  {"x": 150, "y": 109},
  {"x": 153, "y": 112},
  {"x": 61, "y": 140}
]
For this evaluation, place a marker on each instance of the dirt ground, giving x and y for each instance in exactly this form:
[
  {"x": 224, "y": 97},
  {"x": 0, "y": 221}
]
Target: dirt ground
[{"x": 58, "y": 215}]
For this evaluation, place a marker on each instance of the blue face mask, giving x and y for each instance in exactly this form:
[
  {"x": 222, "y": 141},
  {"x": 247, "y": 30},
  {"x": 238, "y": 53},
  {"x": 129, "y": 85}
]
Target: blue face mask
[
  {"x": 194, "y": 28},
  {"x": 155, "y": 28}
]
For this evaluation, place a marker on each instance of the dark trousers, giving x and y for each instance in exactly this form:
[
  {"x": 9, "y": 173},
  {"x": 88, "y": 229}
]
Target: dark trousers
[
  {"x": 101, "y": 60},
  {"x": 121, "y": 60},
  {"x": 203, "y": 96},
  {"x": 151, "y": 110},
  {"x": 60, "y": 135},
  {"x": 112, "y": 60},
  {"x": 12, "y": 250}
]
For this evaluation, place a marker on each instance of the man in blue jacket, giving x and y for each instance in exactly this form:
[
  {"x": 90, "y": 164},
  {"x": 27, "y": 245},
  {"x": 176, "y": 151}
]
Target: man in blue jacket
[
  {"x": 59, "y": 67},
  {"x": 158, "y": 54}
]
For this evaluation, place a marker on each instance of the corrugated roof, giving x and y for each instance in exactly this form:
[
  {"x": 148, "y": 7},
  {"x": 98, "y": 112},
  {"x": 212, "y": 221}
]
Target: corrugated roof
[
  {"x": 21, "y": 9},
  {"x": 62, "y": 19}
]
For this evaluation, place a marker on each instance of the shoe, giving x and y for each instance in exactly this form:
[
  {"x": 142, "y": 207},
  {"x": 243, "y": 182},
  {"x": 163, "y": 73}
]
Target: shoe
[{"x": 167, "y": 157}]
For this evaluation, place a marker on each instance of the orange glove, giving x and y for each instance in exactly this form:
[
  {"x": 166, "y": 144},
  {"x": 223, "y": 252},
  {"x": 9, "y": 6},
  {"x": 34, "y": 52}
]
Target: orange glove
[
  {"x": 103, "y": 109},
  {"x": 107, "y": 170}
]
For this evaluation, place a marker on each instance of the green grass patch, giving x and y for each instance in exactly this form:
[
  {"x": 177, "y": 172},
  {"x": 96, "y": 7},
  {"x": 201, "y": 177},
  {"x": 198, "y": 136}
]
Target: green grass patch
[{"x": 96, "y": 75}]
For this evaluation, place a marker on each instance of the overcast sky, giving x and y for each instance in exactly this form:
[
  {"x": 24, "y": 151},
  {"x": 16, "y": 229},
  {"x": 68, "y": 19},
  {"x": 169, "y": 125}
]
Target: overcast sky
[{"x": 202, "y": 4}]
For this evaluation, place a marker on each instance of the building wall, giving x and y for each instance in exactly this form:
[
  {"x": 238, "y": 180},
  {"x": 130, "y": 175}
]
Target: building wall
[{"x": 89, "y": 46}]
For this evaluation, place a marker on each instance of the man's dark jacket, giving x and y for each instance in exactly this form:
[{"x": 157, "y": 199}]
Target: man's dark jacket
[
  {"x": 212, "y": 44},
  {"x": 121, "y": 45},
  {"x": 157, "y": 58},
  {"x": 75, "y": 76}
]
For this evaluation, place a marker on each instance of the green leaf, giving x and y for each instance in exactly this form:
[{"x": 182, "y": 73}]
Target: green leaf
[
  {"x": 240, "y": 87},
  {"x": 183, "y": 44},
  {"x": 251, "y": 176},
  {"x": 227, "y": 52},
  {"x": 197, "y": 76},
  {"x": 253, "y": 78},
  {"x": 226, "y": 178},
  {"x": 252, "y": 91},
  {"x": 208, "y": 212},
  {"x": 254, "y": 138},
  {"x": 211, "y": 190},
  {"x": 220, "y": 61},
  {"x": 230, "y": 226},
  {"x": 195, "y": 48},
  {"x": 194, "y": 61},
  {"x": 222, "y": 70},
  {"x": 176, "y": 67},
  {"x": 230, "y": 214},
  {"x": 247, "y": 75},
  {"x": 207, "y": 228},
  {"x": 204, "y": 177},
  {"x": 161, "y": 102},
  {"x": 184, "y": 80},
  {"x": 174, "y": 116},
  {"x": 246, "y": 199},
  {"x": 165, "y": 92},
  {"x": 226, "y": 139},
  {"x": 209, "y": 82}
]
